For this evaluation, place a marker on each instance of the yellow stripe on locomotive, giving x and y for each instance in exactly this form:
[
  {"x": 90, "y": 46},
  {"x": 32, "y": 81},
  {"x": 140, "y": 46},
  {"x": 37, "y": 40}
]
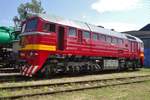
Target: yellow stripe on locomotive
[{"x": 39, "y": 47}]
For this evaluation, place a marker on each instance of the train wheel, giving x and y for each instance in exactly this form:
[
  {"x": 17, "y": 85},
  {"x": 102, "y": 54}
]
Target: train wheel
[
  {"x": 91, "y": 69},
  {"x": 138, "y": 64},
  {"x": 49, "y": 70},
  {"x": 70, "y": 70},
  {"x": 134, "y": 65},
  {"x": 77, "y": 69}
]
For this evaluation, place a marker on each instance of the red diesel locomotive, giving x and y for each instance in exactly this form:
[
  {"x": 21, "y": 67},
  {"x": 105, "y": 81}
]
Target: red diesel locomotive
[{"x": 51, "y": 45}]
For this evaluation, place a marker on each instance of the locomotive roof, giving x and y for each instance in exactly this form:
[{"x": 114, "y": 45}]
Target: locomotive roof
[
  {"x": 81, "y": 25},
  {"x": 84, "y": 26},
  {"x": 137, "y": 39}
]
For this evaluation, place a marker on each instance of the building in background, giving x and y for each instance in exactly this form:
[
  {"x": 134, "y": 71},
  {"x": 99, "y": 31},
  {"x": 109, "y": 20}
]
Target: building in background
[{"x": 144, "y": 35}]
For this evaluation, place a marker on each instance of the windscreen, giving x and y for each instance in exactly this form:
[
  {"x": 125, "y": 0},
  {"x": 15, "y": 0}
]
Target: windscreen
[{"x": 31, "y": 25}]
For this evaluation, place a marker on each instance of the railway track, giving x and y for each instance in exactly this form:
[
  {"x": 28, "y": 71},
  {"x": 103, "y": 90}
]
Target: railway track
[
  {"x": 9, "y": 74},
  {"x": 11, "y": 77},
  {"x": 53, "y": 88},
  {"x": 8, "y": 70},
  {"x": 17, "y": 77}
]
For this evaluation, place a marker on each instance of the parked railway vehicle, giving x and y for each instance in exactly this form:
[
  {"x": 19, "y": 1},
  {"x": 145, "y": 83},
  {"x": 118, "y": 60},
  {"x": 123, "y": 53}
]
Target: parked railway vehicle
[
  {"x": 7, "y": 37},
  {"x": 5, "y": 43},
  {"x": 50, "y": 45}
]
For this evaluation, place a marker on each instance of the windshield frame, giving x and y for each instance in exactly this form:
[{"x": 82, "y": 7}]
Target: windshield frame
[{"x": 31, "y": 25}]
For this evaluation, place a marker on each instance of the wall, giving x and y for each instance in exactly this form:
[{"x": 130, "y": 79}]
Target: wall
[{"x": 147, "y": 57}]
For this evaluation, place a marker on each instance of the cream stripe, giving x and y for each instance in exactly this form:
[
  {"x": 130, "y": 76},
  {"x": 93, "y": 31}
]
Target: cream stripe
[{"x": 34, "y": 69}]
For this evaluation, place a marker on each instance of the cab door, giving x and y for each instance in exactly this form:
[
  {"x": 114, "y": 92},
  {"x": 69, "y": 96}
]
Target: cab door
[
  {"x": 80, "y": 39},
  {"x": 132, "y": 47},
  {"x": 60, "y": 38}
]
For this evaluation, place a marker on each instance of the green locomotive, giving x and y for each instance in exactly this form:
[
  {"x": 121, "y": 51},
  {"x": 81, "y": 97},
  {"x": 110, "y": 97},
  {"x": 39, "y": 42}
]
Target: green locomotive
[{"x": 7, "y": 37}]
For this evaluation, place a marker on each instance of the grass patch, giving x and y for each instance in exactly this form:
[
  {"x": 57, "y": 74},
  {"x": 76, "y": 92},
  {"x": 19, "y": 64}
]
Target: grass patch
[
  {"x": 110, "y": 93},
  {"x": 145, "y": 69}
]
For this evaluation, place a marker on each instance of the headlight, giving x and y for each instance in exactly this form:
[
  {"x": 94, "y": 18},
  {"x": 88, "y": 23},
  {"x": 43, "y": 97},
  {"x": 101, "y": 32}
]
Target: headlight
[
  {"x": 22, "y": 54},
  {"x": 33, "y": 53}
]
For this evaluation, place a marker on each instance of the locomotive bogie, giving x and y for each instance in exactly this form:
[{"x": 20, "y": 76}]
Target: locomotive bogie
[{"x": 57, "y": 64}]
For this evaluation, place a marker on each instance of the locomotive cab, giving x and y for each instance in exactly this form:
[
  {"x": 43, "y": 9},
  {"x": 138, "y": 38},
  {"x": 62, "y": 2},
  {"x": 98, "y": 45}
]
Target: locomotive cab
[
  {"x": 136, "y": 50},
  {"x": 37, "y": 40}
]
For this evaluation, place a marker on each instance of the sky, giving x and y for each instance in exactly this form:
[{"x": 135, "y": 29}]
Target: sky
[{"x": 121, "y": 15}]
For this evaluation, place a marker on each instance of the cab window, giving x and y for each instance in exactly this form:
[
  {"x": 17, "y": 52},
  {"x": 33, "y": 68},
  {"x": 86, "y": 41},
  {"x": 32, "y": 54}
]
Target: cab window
[
  {"x": 114, "y": 41},
  {"x": 109, "y": 39},
  {"x": 95, "y": 36},
  {"x": 102, "y": 37},
  {"x": 86, "y": 34},
  {"x": 120, "y": 41},
  {"x": 49, "y": 27},
  {"x": 31, "y": 25},
  {"x": 72, "y": 32}
]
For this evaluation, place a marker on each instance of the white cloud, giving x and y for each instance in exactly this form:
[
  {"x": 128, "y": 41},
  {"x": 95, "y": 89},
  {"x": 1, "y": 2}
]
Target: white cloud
[
  {"x": 115, "y": 5},
  {"x": 83, "y": 16},
  {"x": 120, "y": 26}
]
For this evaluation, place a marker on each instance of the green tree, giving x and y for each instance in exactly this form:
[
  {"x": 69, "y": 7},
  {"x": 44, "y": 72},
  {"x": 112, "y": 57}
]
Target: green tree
[{"x": 28, "y": 9}]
